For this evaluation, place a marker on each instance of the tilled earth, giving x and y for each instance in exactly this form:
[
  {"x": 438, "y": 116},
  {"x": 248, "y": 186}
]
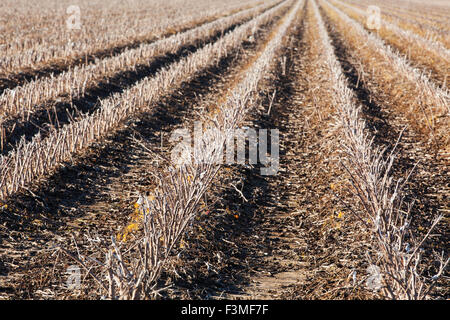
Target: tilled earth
[{"x": 285, "y": 236}]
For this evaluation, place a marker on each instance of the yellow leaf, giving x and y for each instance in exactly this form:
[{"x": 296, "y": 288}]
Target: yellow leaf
[{"x": 132, "y": 227}]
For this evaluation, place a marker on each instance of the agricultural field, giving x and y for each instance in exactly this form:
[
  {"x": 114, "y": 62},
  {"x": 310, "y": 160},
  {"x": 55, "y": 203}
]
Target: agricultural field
[{"x": 252, "y": 149}]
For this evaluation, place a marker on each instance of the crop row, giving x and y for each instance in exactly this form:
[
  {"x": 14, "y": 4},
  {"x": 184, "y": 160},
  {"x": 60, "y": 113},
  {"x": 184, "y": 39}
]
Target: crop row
[
  {"x": 429, "y": 54},
  {"x": 39, "y": 156},
  {"x": 168, "y": 213},
  {"x": 427, "y": 14},
  {"x": 23, "y": 101},
  {"x": 391, "y": 77},
  {"x": 380, "y": 197},
  {"x": 54, "y": 45},
  {"x": 418, "y": 25}
]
